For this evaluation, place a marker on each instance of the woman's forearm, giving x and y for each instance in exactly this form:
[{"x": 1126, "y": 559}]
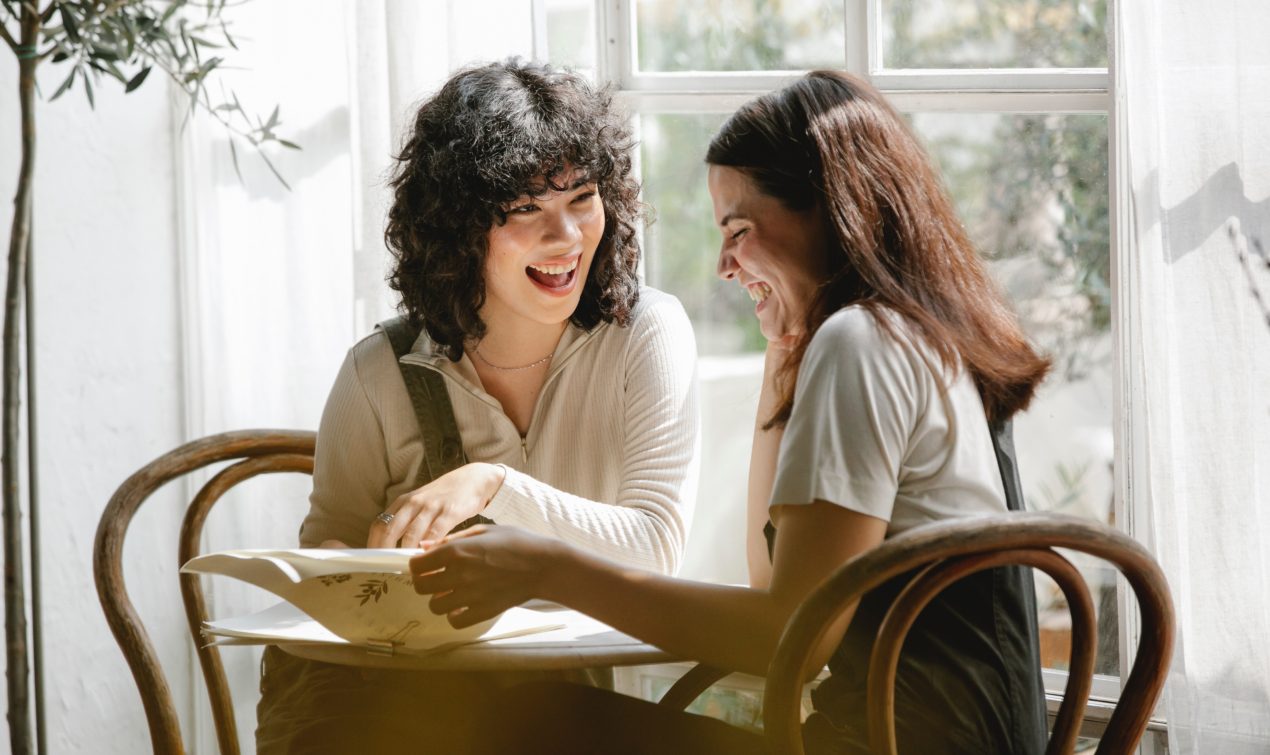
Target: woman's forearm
[
  {"x": 763, "y": 455},
  {"x": 733, "y": 628}
]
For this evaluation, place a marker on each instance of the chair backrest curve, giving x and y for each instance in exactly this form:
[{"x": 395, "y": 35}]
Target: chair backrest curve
[
  {"x": 112, "y": 529},
  {"x": 973, "y": 538}
]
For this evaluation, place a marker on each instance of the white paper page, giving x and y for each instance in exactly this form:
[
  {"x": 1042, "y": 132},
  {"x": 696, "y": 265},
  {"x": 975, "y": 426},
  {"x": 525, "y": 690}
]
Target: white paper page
[
  {"x": 363, "y": 595},
  {"x": 284, "y": 622}
]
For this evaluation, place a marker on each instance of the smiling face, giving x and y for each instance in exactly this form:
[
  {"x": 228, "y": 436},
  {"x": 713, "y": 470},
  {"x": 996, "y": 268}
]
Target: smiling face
[
  {"x": 777, "y": 254},
  {"x": 539, "y": 258}
]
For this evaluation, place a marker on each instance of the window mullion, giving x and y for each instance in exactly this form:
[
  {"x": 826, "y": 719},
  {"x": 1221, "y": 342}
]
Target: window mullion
[
  {"x": 859, "y": 34},
  {"x": 711, "y": 100},
  {"x": 613, "y": 47},
  {"x": 999, "y": 79}
]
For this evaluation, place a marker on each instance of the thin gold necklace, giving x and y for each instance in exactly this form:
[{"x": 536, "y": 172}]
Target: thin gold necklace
[{"x": 476, "y": 349}]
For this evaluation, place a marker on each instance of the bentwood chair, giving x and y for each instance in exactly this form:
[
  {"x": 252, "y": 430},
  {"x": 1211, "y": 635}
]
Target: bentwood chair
[
  {"x": 254, "y": 452},
  {"x": 940, "y": 554}
]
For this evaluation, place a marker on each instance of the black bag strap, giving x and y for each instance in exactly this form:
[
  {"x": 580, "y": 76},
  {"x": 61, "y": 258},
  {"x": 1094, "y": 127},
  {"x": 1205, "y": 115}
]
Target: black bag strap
[
  {"x": 442, "y": 445},
  {"x": 438, "y": 430},
  {"x": 1016, "y": 599},
  {"x": 1002, "y": 432}
]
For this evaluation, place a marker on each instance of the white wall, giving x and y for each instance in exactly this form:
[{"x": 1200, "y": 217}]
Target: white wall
[
  {"x": 109, "y": 396},
  {"x": 142, "y": 349}
]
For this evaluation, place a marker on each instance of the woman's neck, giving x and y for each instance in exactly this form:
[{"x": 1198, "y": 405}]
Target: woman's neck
[{"x": 516, "y": 342}]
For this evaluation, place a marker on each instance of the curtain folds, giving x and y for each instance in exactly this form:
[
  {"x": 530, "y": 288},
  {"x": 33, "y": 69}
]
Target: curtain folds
[
  {"x": 1196, "y": 130},
  {"x": 278, "y": 283}
]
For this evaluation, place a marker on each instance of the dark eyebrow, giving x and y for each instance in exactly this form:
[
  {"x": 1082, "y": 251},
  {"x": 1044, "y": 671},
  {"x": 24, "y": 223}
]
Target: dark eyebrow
[
  {"x": 733, "y": 216},
  {"x": 551, "y": 186},
  {"x": 532, "y": 194}
]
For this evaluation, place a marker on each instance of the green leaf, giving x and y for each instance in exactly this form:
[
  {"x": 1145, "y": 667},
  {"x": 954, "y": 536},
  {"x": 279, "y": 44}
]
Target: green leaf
[
  {"x": 289, "y": 145},
  {"x": 207, "y": 66},
  {"x": 66, "y": 84},
  {"x": 225, "y": 30},
  {"x": 68, "y": 21},
  {"x": 204, "y": 42},
  {"x": 273, "y": 120},
  {"x": 137, "y": 80},
  {"x": 114, "y": 71},
  {"x": 59, "y": 57},
  {"x": 88, "y": 89}
]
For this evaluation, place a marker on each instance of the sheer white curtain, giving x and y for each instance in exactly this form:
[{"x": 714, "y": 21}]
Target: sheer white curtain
[
  {"x": 1195, "y": 77},
  {"x": 277, "y": 284}
]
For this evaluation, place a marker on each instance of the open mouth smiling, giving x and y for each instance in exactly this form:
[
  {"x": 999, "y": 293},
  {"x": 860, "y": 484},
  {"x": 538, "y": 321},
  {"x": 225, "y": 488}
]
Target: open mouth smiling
[
  {"x": 758, "y": 291},
  {"x": 554, "y": 277}
]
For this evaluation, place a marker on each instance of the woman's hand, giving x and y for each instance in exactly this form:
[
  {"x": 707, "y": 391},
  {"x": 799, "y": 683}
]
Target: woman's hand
[
  {"x": 431, "y": 511},
  {"x": 477, "y": 574}
]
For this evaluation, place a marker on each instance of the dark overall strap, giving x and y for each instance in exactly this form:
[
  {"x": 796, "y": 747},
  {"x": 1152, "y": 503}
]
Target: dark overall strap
[
  {"x": 438, "y": 430},
  {"x": 1002, "y": 433},
  {"x": 1016, "y": 599}
]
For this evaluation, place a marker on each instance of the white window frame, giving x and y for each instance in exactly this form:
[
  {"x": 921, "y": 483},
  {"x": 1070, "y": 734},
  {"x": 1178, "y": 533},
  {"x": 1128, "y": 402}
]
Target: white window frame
[{"x": 1010, "y": 91}]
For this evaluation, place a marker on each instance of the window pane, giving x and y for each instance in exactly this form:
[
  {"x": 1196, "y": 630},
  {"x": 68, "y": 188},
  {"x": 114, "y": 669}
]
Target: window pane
[
  {"x": 993, "y": 33},
  {"x": 682, "y": 243},
  {"x": 739, "y": 35},
  {"x": 571, "y": 34},
  {"x": 1033, "y": 192}
]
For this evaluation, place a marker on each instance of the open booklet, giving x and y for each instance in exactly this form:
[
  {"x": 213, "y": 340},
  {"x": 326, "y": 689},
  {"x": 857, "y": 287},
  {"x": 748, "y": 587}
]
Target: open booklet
[{"x": 356, "y": 596}]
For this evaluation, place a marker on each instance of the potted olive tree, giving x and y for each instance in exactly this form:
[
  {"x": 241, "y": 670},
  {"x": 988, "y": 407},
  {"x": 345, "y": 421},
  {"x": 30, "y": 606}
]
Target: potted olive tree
[{"x": 92, "y": 41}]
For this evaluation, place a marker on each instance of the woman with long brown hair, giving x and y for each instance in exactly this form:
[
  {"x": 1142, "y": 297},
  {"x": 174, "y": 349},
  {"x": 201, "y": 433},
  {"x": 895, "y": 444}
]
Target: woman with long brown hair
[{"x": 894, "y": 366}]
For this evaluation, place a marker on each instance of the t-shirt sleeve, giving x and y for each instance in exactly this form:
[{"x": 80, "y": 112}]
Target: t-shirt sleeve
[{"x": 854, "y": 408}]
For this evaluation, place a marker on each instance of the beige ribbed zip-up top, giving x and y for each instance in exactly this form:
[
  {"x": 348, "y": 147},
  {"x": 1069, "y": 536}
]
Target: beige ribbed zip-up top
[{"x": 609, "y": 462}]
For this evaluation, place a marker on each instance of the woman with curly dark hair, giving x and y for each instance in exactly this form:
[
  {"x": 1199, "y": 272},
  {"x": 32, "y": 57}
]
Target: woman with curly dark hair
[{"x": 531, "y": 381}]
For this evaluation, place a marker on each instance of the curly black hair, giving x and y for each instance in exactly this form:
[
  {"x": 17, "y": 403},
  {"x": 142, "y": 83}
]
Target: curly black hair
[{"x": 490, "y": 135}]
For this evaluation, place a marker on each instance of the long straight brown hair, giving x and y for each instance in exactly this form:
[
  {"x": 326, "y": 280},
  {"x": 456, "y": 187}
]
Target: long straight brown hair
[{"x": 830, "y": 140}]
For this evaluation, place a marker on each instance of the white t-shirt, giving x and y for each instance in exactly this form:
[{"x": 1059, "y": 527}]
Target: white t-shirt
[{"x": 880, "y": 427}]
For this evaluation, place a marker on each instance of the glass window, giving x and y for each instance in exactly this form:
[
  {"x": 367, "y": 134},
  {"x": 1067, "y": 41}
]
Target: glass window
[
  {"x": 1033, "y": 192},
  {"x": 739, "y": 35},
  {"x": 682, "y": 243},
  {"x": 993, "y": 33},
  {"x": 571, "y": 34}
]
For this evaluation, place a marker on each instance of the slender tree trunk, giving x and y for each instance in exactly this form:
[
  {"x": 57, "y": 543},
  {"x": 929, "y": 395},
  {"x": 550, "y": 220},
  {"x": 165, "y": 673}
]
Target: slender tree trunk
[{"x": 14, "y": 550}]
